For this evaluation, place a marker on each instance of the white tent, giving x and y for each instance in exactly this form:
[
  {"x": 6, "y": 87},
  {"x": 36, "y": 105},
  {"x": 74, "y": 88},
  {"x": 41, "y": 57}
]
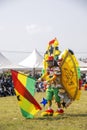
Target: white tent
[
  {"x": 12, "y": 66},
  {"x": 34, "y": 60},
  {"x": 83, "y": 66},
  {"x": 4, "y": 60},
  {"x": 5, "y": 64}
]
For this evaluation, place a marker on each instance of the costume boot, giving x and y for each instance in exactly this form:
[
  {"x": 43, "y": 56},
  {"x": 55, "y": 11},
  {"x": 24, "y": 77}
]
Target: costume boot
[
  {"x": 60, "y": 111},
  {"x": 48, "y": 112}
]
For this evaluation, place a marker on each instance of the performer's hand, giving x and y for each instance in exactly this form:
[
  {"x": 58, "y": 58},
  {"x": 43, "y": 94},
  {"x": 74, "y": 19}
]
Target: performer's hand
[{"x": 39, "y": 80}]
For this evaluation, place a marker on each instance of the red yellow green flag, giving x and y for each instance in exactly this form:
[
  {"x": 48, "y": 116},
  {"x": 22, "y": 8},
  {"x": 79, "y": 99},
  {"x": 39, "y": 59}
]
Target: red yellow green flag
[{"x": 25, "y": 87}]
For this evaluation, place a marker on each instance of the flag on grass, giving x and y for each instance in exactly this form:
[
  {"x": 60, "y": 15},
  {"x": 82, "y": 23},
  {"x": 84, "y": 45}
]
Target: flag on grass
[{"x": 25, "y": 87}]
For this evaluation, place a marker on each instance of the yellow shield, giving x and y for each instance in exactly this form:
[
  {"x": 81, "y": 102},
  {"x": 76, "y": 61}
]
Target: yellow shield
[{"x": 69, "y": 76}]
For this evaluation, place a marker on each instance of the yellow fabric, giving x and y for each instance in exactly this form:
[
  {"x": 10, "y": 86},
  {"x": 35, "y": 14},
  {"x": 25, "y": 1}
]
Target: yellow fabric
[
  {"x": 56, "y": 52},
  {"x": 56, "y": 43},
  {"x": 22, "y": 79},
  {"x": 26, "y": 105},
  {"x": 69, "y": 77}
]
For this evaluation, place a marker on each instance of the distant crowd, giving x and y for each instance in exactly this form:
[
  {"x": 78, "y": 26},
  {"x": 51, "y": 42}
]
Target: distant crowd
[
  {"x": 39, "y": 87},
  {"x": 6, "y": 86},
  {"x": 84, "y": 81}
]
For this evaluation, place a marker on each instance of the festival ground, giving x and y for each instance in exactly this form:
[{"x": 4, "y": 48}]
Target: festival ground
[{"x": 75, "y": 116}]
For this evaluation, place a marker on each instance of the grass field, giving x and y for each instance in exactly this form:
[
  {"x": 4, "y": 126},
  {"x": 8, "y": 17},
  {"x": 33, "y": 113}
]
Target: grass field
[{"x": 74, "y": 118}]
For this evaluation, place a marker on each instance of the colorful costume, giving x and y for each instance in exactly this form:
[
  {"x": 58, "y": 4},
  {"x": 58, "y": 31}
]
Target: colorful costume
[
  {"x": 62, "y": 75},
  {"x": 52, "y": 76}
]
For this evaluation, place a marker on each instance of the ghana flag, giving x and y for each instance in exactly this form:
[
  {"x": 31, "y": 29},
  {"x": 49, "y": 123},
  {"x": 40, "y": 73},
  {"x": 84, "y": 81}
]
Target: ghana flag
[{"x": 25, "y": 87}]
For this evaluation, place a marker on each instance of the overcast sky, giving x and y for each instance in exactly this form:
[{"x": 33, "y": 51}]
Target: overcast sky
[{"x": 29, "y": 24}]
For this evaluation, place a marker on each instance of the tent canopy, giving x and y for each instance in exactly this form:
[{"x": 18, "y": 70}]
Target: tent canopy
[
  {"x": 82, "y": 64},
  {"x": 34, "y": 60},
  {"x": 4, "y": 60},
  {"x": 6, "y": 64},
  {"x": 12, "y": 66}
]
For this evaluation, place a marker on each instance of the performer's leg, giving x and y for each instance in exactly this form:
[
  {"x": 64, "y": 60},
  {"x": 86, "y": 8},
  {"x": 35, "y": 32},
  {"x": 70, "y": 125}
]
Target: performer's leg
[
  {"x": 57, "y": 99},
  {"x": 49, "y": 97}
]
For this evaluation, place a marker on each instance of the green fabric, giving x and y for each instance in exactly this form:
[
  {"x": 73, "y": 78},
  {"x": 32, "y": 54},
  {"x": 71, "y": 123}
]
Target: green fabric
[
  {"x": 25, "y": 114},
  {"x": 50, "y": 92},
  {"x": 30, "y": 85},
  {"x": 57, "y": 98},
  {"x": 56, "y": 57},
  {"x": 79, "y": 73},
  {"x": 43, "y": 71}
]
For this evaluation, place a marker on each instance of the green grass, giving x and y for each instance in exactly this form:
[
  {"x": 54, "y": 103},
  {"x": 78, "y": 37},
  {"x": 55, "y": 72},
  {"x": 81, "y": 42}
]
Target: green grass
[{"x": 74, "y": 118}]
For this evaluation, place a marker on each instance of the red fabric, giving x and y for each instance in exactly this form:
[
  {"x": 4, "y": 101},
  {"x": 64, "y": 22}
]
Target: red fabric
[
  {"x": 22, "y": 90},
  {"x": 80, "y": 84},
  {"x": 50, "y": 58},
  {"x": 52, "y": 41},
  {"x": 50, "y": 111},
  {"x": 60, "y": 111}
]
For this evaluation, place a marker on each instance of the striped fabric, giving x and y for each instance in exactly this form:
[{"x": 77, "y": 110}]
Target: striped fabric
[{"x": 25, "y": 87}]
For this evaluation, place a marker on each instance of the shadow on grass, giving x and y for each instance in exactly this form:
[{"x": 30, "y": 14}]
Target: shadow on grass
[
  {"x": 59, "y": 117},
  {"x": 48, "y": 118},
  {"x": 77, "y": 115}
]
